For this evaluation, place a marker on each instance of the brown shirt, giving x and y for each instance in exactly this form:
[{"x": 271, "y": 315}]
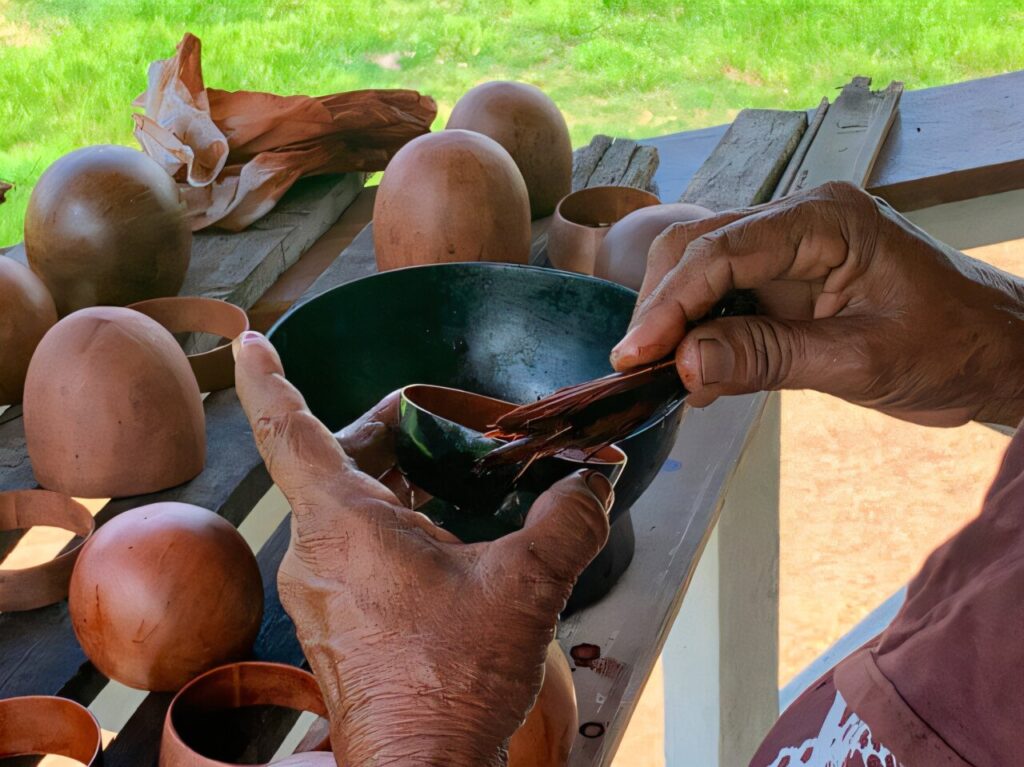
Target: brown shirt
[{"x": 943, "y": 686}]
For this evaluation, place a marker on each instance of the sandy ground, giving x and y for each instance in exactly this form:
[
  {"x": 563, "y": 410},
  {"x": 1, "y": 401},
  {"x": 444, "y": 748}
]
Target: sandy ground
[{"x": 864, "y": 498}]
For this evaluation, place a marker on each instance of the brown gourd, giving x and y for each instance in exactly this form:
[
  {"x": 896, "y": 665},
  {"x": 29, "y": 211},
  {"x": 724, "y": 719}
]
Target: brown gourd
[
  {"x": 528, "y": 124},
  {"x": 106, "y": 225},
  {"x": 26, "y": 313},
  {"x": 451, "y": 196},
  {"x": 111, "y": 407},
  {"x": 164, "y": 592},
  {"x": 622, "y": 255},
  {"x": 546, "y": 737}
]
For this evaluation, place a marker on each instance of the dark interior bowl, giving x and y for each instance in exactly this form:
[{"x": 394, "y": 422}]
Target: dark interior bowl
[
  {"x": 439, "y": 443},
  {"x": 515, "y": 333}
]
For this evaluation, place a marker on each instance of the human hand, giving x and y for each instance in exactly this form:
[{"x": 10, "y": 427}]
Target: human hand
[
  {"x": 370, "y": 439},
  {"x": 856, "y": 302},
  {"x": 428, "y": 651}
]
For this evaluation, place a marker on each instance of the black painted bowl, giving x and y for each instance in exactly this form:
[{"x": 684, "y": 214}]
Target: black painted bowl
[
  {"x": 439, "y": 443},
  {"x": 515, "y": 333}
]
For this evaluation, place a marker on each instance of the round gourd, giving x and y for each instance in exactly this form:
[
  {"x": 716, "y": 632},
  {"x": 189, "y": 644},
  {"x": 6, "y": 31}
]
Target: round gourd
[
  {"x": 546, "y": 737},
  {"x": 451, "y": 196},
  {"x": 622, "y": 256},
  {"x": 524, "y": 120},
  {"x": 164, "y": 592},
  {"x": 26, "y": 313},
  {"x": 106, "y": 225},
  {"x": 111, "y": 407}
]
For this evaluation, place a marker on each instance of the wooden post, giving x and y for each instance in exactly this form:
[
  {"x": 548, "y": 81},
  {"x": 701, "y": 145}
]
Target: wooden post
[{"x": 721, "y": 659}]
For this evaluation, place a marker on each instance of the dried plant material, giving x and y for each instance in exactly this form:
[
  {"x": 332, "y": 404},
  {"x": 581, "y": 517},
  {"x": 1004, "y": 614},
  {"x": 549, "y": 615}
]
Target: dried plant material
[
  {"x": 580, "y": 420},
  {"x": 4, "y": 189},
  {"x": 235, "y": 153},
  {"x": 577, "y": 421}
]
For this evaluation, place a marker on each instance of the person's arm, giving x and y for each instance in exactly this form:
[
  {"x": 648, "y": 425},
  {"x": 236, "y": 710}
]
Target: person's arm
[
  {"x": 856, "y": 302},
  {"x": 428, "y": 651}
]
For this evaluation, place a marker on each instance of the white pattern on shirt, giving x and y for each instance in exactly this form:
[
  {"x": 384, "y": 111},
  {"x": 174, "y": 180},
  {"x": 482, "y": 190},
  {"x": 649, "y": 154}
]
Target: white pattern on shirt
[{"x": 837, "y": 742}]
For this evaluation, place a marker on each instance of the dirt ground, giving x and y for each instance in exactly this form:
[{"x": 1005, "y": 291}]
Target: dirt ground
[{"x": 864, "y": 498}]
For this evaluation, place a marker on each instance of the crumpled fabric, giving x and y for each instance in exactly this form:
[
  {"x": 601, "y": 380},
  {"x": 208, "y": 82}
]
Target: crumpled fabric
[
  {"x": 235, "y": 153},
  {"x": 4, "y": 189}
]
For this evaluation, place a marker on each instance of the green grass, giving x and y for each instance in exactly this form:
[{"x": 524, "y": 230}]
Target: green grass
[{"x": 70, "y": 68}]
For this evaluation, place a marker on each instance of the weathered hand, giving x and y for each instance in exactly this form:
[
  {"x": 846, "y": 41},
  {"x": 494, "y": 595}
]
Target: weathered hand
[
  {"x": 429, "y": 651},
  {"x": 856, "y": 302}
]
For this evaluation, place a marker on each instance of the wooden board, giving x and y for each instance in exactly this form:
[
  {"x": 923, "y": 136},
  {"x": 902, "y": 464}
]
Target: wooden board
[
  {"x": 740, "y": 159},
  {"x": 950, "y": 143},
  {"x": 954, "y": 143},
  {"x": 847, "y": 138},
  {"x": 241, "y": 267},
  {"x": 614, "y": 162}
]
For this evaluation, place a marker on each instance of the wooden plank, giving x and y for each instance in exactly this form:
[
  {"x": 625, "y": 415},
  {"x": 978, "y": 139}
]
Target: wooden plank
[
  {"x": 641, "y": 169},
  {"x": 849, "y": 138},
  {"x": 672, "y": 521},
  {"x": 682, "y": 155},
  {"x": 797, "y": 159},
  {"x": 585, "y": 160},
  {"x": 759, "y": 143},
  {"x": 625, "y": 163},
  {"x": 240, "y": 267},
  {"x": 950, "y": 143},
  {"x": 614, "y": 162},
  {"x": 290, "y": 286},
  {"x": 955, "y": 142}
]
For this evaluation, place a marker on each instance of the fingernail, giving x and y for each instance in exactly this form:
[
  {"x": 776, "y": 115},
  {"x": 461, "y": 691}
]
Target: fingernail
[
  {"x": 600, "y": 486},
  {"x": 716, "y": 361},
  {"x": 624, "y": 349},
  {"x": 251, "y": 336}
]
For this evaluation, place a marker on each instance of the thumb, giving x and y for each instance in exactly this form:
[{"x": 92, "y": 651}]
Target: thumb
[
  {"x": 566, "y": 528},
  {"x": 740, "y": 355}
]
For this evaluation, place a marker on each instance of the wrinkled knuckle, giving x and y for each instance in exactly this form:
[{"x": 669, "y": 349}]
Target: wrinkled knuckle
[
  {"x": 701, "y": 248},
  {"x": 768, "y": 358},
  {"x": 667, "y": 247}
]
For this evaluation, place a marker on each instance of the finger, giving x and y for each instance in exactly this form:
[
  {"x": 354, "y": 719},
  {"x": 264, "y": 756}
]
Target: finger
[
  {"x": 566, "y": 528},
  {"x": 301, "y": 455},
  {"x": 802, "y": 238},
  {"x": 370, "y": 440},
  {"x": 739, "y": 355},
  {"x": 668, "y": 247}
]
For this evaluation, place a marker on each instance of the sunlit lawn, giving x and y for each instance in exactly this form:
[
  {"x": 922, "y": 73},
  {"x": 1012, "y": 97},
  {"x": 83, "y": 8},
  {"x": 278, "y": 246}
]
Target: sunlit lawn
[{"x": 70, "y": 68}]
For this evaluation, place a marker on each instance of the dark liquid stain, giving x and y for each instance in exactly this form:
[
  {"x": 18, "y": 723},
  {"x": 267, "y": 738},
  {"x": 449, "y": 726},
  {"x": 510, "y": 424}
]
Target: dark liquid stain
[
  {"x": 584, "y": 655},
  {"x": 606, "y": 667},
  {"x": 592, "y": 730}
]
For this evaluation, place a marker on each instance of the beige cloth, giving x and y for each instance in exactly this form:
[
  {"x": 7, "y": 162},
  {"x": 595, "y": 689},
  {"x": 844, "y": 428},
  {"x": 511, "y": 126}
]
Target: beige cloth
[{"x": 235, "y": 153}]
